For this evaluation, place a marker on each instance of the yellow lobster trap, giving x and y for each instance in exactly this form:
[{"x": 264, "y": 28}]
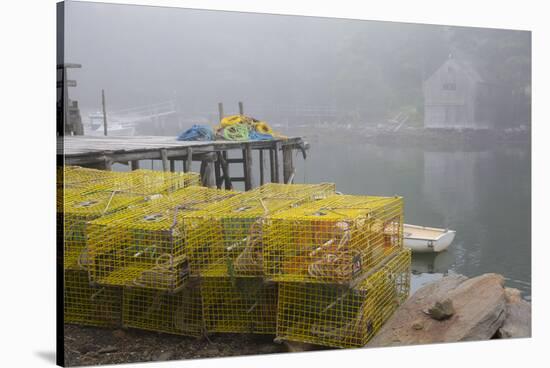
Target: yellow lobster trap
[
  {"x": 82, "y": 177},
  {"x": 338, "y": 316},
  {"x": 149, "y": 182},
  {"x": 239, "y": 305},
  {"x": 85, "y": 304},
  {"x": 77, "y": 211},
  {"x": 177, "y": 313},
  {"x": 226, "y": 238},
  {"x": 143, "y": 182},
  {"x": 145, "y": 244},
  {"x": 333, "y": 240},
  {"x": 86, "y": 199}
]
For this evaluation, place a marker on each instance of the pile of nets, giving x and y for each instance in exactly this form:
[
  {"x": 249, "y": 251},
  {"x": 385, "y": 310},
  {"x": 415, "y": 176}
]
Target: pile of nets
[{"x": 232, "y": 128}]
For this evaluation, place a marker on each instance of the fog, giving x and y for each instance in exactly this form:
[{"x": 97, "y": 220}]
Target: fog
[{"x": 275, "y": 64}]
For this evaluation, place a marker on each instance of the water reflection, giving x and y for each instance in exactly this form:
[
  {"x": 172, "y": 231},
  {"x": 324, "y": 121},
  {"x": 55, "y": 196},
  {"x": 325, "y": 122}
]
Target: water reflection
[{"x": 431, "y": 262}]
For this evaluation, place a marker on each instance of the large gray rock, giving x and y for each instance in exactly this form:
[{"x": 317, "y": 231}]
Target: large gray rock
[
  {"x": 479, "y": 311},
  {"x": 518, "y": 316}
]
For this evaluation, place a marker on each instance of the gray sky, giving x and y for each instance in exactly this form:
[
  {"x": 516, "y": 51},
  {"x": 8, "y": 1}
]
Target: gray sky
[{"x": 141, "y": 55}]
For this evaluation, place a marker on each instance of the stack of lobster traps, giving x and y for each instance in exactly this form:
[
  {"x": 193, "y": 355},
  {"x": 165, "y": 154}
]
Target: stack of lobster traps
[
  {"x": 84, "y": 195},
  {"x": 226, "y": 252},
  {"x": 341, "y": 268},
  {"x": 155, "y": 251},
  {"x": 144, "y": 250}
]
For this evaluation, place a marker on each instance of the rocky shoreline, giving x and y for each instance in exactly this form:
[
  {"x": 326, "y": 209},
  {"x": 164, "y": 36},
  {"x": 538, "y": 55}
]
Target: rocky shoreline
[
  {"x": 458, "y": 309},
  {"x": 455, "y": 308}
]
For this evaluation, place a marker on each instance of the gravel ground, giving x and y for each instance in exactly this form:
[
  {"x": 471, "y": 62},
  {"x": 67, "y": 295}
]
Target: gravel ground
[{"x": 94, "y": 346}]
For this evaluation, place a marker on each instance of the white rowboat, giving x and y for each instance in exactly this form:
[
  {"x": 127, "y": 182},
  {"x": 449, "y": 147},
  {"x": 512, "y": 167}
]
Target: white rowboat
[{"x": 424, "y": 239}]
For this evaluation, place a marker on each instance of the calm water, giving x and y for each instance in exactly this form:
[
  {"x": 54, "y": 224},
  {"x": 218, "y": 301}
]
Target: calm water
[{"x": 484, "y": 196}]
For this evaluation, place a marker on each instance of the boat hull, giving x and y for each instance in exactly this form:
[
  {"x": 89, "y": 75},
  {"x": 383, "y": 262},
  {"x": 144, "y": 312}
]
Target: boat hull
[{"x": 435, "y": 244}]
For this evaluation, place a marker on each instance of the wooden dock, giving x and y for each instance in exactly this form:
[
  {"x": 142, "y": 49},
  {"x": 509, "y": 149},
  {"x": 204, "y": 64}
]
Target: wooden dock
[{"x": 103, "y": 151}]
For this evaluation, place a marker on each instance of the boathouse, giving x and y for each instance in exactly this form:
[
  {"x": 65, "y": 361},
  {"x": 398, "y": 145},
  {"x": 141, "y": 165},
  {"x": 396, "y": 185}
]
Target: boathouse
[{"x": 457, "y": 97}]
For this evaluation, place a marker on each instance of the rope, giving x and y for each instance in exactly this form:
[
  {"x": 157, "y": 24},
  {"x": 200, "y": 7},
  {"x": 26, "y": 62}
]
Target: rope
[
  {"x": 255, "y": 136},
  {"x": 197, "y": 133},
  {"x": 241, "y": 127},
  {"x": 236, "y": 132},
  {"x": 109, "y": 202},
  {"x": 251, "y": 259},
  {"x": 335, "y": 259},
  {"x": 163, "y": 274}
]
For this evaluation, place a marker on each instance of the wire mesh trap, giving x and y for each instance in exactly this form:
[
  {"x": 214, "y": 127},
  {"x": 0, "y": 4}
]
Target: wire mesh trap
[
  {"x": 226, "y": 238},
  {"x": 154, "y": 310},
  {"x": 145, "y": 245},
  {"x": 333, "y": 240},
  {"x": 85, "y": 304},
  {"x": 79, "y": 209},
  {"x": 144, "y": 182},
  {"x": 82, "y": 177},
  {"x": 239, "y": 305},
  {"x": 88, "y": 198},
  {"x": 149, "y": 182},
  {"x": 339, "y": 316}
]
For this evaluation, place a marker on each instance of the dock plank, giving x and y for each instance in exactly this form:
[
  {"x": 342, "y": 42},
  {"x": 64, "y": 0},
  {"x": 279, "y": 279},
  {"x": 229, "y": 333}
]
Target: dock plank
[{"x": 98, "y": 147}]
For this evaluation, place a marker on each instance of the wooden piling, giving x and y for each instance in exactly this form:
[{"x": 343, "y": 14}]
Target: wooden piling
[
  {"x": 220, "y": 110},
  {"x": 189, "y": 160},
  {"x": 207, "y": 172},
  {"x": 288, "y": 166},
  {"x": 108, "y": 164},
  {"x": 271, "y": 165},
  {"x": 274, "y": 162},
  {"x": 218, "y": 173},
  {"x": 164, "y": 157},
  {"x": 247, "y": 166},
  {"x": 225, "y": 179},
  {"x": 261, "y": 159}
]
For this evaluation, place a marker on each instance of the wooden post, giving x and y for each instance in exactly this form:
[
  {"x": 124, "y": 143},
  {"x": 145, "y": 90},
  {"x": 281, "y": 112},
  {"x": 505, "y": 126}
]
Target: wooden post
[
  {"x": 220, "y": 110},
  {"x": 189, "y": 160},
  {"x": 222, "y": 158},
  {"x": 288, "y": 167},
  {"x": 275, "y": 162},
  {"x": 247, "y": 166},
  {"x": 104, "y": 112},
  {"x": 207, "y": 173},
  {"x": 164, "y": 156},
  {"x": 134, "y": 165},
  {"x": 271, "y": 165},
  {"x": 241, "y": 109},
  {"x": 108, "y": 165},
  {"x": 218, "y": 172},
  {"x": 261, "y": 167}
]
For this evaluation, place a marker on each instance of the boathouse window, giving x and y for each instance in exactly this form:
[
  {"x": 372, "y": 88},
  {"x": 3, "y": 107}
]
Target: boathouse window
[{"x": 449, "y": 86}]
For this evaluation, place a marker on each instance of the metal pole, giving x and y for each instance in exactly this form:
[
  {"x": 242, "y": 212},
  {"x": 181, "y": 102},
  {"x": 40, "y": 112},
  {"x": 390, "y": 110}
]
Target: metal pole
[
  {"x": 66, "y": 117},
  {"x": 104, "y": 112},
  {"x": 241, "y": 109}
]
